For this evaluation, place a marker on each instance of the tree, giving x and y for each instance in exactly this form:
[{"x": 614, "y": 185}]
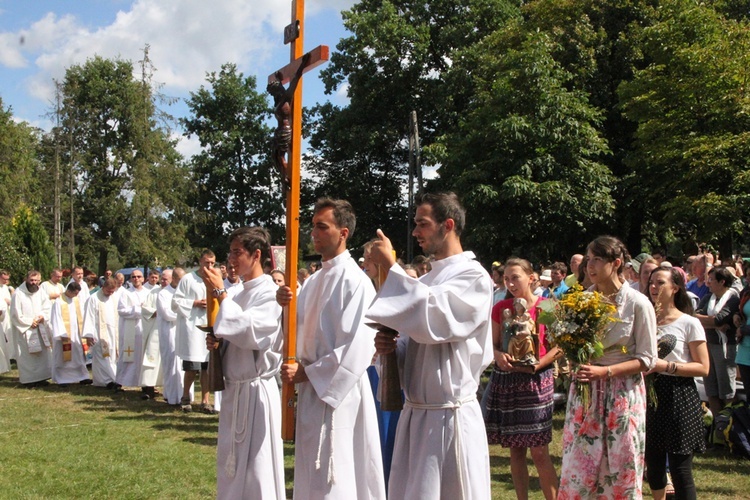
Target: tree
[
  {"x": 13, "y": 255},
  {"x": 32, "y": 240},
  {"x": 236, "y": 182},
  {"x": 18, "y": 165},
  {"x": 394, "y": 63},
  {"x": 527, "y": 154},
  {"x": 128, "y": 177},
  {"x": 693, "y": 138}
]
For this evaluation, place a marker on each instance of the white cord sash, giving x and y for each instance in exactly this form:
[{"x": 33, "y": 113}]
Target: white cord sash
[{"x": 450, "y": 405}]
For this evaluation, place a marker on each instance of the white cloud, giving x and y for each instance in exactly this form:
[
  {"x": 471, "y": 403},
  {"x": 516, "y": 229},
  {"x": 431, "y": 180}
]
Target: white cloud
[
  {"x": 187, "y": 146},
  {"x": 187, "y": 39}
]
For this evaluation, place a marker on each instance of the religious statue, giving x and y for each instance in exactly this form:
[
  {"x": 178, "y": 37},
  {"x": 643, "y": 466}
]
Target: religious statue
[
  {"x": 519, "y": 325},
  {"x": 282, "y": 103}
]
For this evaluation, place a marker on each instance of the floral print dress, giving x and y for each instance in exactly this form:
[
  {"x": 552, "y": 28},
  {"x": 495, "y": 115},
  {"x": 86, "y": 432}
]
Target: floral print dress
[{"x": 604, "y": 444}]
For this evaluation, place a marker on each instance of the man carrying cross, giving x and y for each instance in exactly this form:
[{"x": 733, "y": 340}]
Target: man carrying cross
[{"x": 444, "y": 346}]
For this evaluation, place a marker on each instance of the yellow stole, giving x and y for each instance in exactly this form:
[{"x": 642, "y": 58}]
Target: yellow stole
[{"x": 65, "y": 311}]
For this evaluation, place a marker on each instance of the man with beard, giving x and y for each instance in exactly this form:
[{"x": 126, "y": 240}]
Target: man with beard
[
  {"x": 66, "y": 321},
  {"x": 29, "y": 314},
  {"x": 444, "y": 346},
  {"x": 100, "y": 324}
]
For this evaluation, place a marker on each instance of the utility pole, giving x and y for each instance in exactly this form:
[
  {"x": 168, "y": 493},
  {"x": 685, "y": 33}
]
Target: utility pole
[{"x": 415, "y": 166}]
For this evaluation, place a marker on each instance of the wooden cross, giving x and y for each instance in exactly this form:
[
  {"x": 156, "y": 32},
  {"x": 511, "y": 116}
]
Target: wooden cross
[{"x": 299, "y": 63}]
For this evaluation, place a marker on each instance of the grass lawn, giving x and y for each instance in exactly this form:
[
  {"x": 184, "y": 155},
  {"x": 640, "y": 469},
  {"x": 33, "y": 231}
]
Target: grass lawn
[{"x": 88, "y": 442}]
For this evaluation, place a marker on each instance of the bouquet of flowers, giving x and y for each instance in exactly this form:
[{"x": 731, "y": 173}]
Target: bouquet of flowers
[{"x": 576, "y": 324}]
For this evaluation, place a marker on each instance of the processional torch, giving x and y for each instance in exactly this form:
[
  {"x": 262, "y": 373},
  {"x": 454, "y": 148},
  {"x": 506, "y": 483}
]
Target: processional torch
[
  {"x": 215, "y": 367},
  {"x": 389, "y": 390}
]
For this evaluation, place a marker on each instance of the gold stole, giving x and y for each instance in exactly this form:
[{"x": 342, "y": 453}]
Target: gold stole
[
  {"x": 65, "y": 311},
  {"x": 103, "y": 331}
]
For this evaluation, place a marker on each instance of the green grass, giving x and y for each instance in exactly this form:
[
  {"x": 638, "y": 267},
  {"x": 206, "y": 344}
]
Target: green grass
[{"x": 85, "y": 442}]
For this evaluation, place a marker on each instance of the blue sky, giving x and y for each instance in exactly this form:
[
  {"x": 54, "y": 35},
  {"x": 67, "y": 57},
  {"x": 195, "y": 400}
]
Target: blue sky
[{"x": 40, "y": 38}]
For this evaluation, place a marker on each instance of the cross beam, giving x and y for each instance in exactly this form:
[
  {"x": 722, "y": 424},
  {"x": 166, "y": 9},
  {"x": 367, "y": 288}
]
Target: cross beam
[{"x": 317, "y": 56}]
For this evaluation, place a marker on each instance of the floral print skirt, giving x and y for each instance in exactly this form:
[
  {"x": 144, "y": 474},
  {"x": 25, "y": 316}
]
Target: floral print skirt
[{"x": 604, "y": 444}]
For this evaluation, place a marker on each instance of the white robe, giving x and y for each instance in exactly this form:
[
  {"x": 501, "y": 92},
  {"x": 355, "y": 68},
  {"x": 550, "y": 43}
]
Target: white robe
[
  {"x": 166, "y": 323},
  {"x": 101, "y": 323},
  {"x": 190, "y": 342},
  {"x": 73, "y": 370},
  {"x": 85, "y": 294},
  {"x": 250, "y": 454},
  {"x": 337, "y": 448},
  {"x": 444, "y": 346},
  {"x": 151, "y": 363},
  {"x": 7, "y": 347},
  {"x": 48, "y": 287},
  {"x": 24, "y": 307},
  {"x": 130, "y": 358}
]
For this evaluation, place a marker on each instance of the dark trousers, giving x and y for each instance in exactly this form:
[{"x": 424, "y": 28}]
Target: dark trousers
[{"x": 681, "y": 468}]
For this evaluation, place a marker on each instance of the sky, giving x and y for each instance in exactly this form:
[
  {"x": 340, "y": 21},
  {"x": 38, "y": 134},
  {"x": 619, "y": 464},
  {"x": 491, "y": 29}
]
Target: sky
[{"x": 39, "y": 39}]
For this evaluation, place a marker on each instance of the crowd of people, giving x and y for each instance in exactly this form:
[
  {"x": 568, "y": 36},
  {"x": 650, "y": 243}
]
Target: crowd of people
[
  {"x": 453, "y": 318},
  {"x": 675, "y": 323}
]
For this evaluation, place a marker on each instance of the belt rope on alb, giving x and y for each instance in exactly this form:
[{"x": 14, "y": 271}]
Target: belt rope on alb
[
  {"x": 230, "y": 465},
  {"x": 450, "y": 405}
]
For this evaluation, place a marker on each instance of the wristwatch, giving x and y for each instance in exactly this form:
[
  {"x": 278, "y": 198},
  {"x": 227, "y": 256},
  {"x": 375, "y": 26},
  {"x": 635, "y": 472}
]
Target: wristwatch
[{"x": 218, "y": 291}]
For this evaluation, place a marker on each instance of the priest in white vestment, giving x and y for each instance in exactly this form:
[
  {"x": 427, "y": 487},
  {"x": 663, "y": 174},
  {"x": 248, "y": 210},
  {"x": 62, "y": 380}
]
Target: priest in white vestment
[
  {"x": 66, "y": 322},
  {"x": 166, "y": 323},
  {"x": 189, "y": 302},
  {"x": 337, "y": 446},
  {"x": 53, "y": 288},
  {"x": 101, "y": 324},
  {"x": 250, "y": 454},
  {"x": 130, "y": 358},
  {"x": 151, "y": 363},
  {"x": 7, "y": 349},
  {"x": 445, "y": 344},
  {"x": 77, "y": 275},
  {"x": 29, "y": 318}
]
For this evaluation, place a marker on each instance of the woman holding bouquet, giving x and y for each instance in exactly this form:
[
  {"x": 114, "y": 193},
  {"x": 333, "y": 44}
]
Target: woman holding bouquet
[
  {"x": 604, "y": 436},
  {"x": 519, "y": 401},
  {"x": 674, "y": 421}
]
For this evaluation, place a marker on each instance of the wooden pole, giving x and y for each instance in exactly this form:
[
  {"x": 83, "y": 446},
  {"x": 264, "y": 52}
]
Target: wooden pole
[{"x": 292, "y": 224}]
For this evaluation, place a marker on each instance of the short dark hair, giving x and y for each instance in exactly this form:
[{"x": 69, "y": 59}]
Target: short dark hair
[
  {"x": 208, "y": 253},
  {"x": 253, "y": 238},
  {"x": 445, "y": 206},
  {"x": 559, "y": 266},
  {"x": 343, "y": 212},
  {"x": 722, "y": 276},
  {"x": 73, "y": 285}
]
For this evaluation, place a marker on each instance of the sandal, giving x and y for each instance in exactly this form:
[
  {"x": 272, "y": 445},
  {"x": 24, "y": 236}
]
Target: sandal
[
  {"x": 669, "y": 490},
  {"x": 207, "y": 408},
  {"x": 186, "y": 405}
]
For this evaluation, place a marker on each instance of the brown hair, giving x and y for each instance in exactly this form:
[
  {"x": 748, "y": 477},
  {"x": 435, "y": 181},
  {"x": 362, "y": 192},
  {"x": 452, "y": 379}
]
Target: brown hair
[
  {"x": 610, "y": 249},
  {"x": 522, "y": 263}
]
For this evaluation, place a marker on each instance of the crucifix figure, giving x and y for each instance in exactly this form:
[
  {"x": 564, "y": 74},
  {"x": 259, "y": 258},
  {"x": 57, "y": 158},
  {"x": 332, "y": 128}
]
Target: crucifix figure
[
  {"x": 287, "y": 158},
  {"x": 282, "y": 108}
]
